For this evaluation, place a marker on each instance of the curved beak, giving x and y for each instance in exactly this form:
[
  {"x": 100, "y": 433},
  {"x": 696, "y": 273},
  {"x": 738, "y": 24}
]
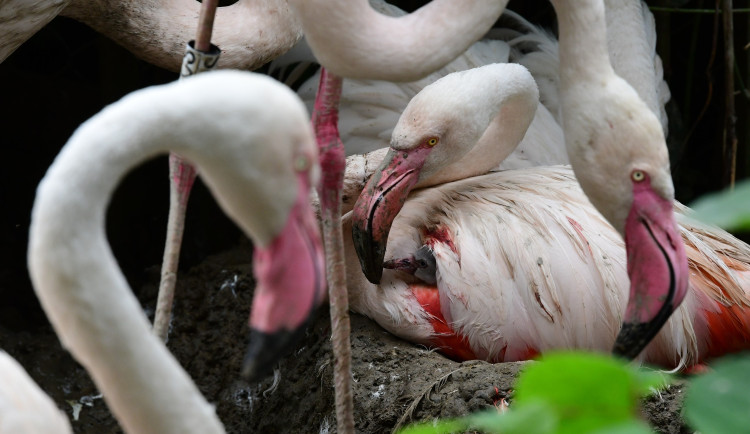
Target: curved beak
[
  {"x": 658, "y": 270},
  {"x": 380, "y": 202},
  {"x": 290, "y": 276}
]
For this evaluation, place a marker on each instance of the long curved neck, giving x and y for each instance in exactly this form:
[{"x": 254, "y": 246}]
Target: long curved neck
[
  {"x": 581, "y": 20},
  {"x": 352, "y": 40},
  {"x": 85, "y": 295},
  {"x": 249, "y": 32},
  {"x": 631, "y": 40}
]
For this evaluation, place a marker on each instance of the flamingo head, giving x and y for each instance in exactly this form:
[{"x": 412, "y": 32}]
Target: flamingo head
[
  {"x": 290, "y": 284},
  {"x": 620, "y": 159},
  {"x": 289, "y": 269},
  {"x": 440, "y": 137},
  {"x": 657, "y": 266},
  {"x": 263, "y": 177}
]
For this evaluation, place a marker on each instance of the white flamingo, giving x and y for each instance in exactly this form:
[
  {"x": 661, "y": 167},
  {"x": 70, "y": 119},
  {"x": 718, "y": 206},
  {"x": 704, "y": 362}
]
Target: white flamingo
[
  {"x": 509, "y": 264},
  {"x": 261, "y": 166},
  {"x": 157, "y": 30},
  {"x": 24, "y": 407},
  {"x": 617, "y": 149}
]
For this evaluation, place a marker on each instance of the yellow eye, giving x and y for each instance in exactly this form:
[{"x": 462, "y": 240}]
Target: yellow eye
[
  {"x": 301, "y": 163},
  {"x": 638, "y": 176},
  {"x": 432, "y": 142}
]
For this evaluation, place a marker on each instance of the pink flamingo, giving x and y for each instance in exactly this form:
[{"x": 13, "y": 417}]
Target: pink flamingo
[{"x": 257, "y": 154}]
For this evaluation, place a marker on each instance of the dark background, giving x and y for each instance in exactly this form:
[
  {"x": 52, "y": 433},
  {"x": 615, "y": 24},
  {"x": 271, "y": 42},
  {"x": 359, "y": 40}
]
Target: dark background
[{"x": 67, "y": 72}]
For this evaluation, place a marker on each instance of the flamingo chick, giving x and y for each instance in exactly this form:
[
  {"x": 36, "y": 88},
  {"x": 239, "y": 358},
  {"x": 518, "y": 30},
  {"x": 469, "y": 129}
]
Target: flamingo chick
[
  {"x": 261, "y": 167},
  {"x": 522, "y": 262}
]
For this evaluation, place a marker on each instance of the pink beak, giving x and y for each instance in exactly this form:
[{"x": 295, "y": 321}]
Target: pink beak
[
  {"x": 657, "y": 266},
  {"x": 380, "y": 202},
  {"x": 290, "y": 274}
]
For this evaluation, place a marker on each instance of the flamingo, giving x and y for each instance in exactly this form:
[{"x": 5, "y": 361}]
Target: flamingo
[
  {"x": 352, "y": 40},
  {"x": 617, "y": 149},
  {"x": 505, "y": 265},
  {"x": 24, "y": 407},
  {"x": 157, "y": 30},
  {"x": 264, "y": 188}
]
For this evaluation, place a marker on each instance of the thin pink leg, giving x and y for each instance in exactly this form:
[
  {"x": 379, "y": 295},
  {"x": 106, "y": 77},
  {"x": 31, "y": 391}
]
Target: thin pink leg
[
  {"x": 333, "y": 162},
  {"x": 182, "y": 175},
  {"x": 181, "y": 178}
]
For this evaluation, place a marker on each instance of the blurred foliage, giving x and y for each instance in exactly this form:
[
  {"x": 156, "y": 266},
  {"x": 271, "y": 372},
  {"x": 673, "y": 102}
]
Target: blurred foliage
[
  {"x": 729, "y": 209},
  {"x": 566, "y": 392},
  {"x": 719, "y": 401}
]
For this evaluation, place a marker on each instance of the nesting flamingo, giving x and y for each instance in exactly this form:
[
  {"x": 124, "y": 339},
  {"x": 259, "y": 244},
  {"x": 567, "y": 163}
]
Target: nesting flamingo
[
  {"x": 250, "y": 137},
  {"x": 509, "y": 264},
  {"x": 350, "y": 39},
  {"x": 24, "y": 407}
]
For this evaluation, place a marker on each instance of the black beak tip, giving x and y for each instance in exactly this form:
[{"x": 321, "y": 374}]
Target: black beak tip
[
  {"x": 370, "y": 253},
  {"x": 373, "y": 274},
  {"x": 632, "y": 339},
  {"x": 265, "y": 349}
]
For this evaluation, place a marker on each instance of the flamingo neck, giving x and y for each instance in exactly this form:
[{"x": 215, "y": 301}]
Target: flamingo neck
[
  {"x": 85, "y": 295},
  {"x": 354, "y": 41},
  {"x": 578, "y": 22}
]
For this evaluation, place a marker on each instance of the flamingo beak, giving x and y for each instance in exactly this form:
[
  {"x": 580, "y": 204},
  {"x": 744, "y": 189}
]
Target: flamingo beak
[
  {"x": 380, "y": 202},
  {"x": 290, "y": 275},
  {"x": 658, "y": 270}
]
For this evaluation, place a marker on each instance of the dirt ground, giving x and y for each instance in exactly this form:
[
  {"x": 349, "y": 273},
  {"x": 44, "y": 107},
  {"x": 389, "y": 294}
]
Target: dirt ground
[{"x": 394, "y": 381}]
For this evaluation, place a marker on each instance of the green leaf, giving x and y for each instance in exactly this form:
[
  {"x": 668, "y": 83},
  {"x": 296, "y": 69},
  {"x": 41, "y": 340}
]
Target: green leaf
[
  {"x": 629, "y": 427},
  {"x": 439, "y": 427},
  {"x": 719, "y": 401},
  {"x": 534, "y": 418},
  {"x": 587, "y": 391},
  {"x": 727, "y": 209}
]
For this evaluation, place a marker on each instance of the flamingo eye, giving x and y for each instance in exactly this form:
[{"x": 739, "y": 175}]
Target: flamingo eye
[
  {"x": 301, "y": 163},
  {"x": 638, "y": 175},
  {"x": 432, "y": 142}
]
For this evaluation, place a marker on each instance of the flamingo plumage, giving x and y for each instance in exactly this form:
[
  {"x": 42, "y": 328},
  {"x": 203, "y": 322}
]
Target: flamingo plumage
[
  {"x": 24, "y": 407},
  {"x": 157, "y": 31},
  {"x": 250, "y": 137},
  {"x": 509, "y": 264}
]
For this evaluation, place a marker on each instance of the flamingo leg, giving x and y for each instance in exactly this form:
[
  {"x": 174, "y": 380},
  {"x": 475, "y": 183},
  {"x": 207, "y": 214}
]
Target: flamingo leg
[
  {"x": 181, "y": 177},
  {"x": 200, "y": 57},
  {"x": 333, "y": 164}
]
